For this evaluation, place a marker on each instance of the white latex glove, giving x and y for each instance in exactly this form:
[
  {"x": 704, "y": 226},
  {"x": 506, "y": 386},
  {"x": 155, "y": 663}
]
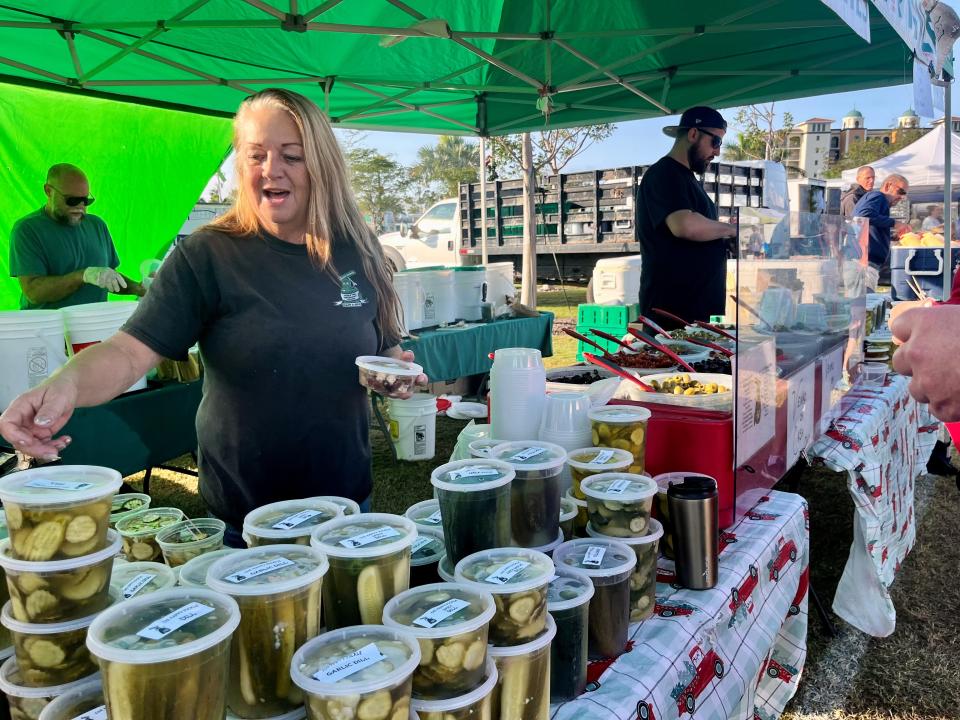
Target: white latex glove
[
  {"x": 871, "y": 278},
  {"x": 104, "y": 277}
]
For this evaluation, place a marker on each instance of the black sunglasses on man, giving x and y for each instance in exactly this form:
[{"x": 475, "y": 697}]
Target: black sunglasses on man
[
  {"x": 74, "y": 200},
  {"x": 715, "y": 140}
]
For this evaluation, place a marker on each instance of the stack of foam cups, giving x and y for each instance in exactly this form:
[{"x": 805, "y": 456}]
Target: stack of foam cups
[
  {"x": 518, "y": 386},
  {"x": 58, "y": 563}
]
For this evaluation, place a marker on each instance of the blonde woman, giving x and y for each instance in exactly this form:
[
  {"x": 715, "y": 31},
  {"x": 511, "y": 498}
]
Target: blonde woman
[{"x": 282, "y": 293}]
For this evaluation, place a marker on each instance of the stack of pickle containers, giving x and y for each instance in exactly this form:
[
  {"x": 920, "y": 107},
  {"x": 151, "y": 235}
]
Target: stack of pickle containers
[
  {"x": 568, "y": 601},
  {"x": 58, "y": 562}
]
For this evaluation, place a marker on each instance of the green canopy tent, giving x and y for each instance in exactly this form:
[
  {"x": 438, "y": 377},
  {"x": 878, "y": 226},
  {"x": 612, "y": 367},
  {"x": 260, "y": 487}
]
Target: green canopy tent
[{"x": 483, "y": 67}]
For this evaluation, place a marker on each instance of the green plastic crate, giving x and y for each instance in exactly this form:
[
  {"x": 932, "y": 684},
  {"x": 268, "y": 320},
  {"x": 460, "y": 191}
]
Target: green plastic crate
[
  {"x": 609, "y": 345},
  {"x": 607, "y": 316}
]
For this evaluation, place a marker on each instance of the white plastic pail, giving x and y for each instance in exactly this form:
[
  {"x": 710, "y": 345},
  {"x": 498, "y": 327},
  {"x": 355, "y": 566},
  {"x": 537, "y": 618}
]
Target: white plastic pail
[
  {"x": 31, "y": 348},
  {"x": 93, "y": 323},
  {"x": 413, "y": 426}
]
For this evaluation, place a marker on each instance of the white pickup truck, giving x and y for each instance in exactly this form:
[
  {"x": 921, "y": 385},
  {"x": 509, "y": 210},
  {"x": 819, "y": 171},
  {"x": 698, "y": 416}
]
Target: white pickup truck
[{"x": 434, "y": 239}]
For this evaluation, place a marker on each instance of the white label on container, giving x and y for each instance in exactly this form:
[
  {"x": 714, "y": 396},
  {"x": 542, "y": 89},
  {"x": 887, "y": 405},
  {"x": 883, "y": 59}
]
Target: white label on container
[
  {"x": 619, "y": 486},
  {"x": 372, "y": 536},
  {"x": 99, "y": 713},
  {"x": 528, "y": 453},
  {"x": 593, "y": 557},
  {"x": 437, "y": 614},
  {"x": 57, "y": 484},
  {"x": 257, "y": 570},
  {"x": 160, "y": 628},
  {"x": 433, "y": 519},
  {"x": 603, "y": 457},
  {"x": 507, "y": 572},
  {"x": 420, "y": 543},
  {"x": 138, "y": 583},
  {"x": 353, "y": 663},
  {"x": 473, "y": 471},
  {"x": 292, "y": 521}
]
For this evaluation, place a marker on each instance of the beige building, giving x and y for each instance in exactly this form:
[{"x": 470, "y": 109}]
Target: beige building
[{"x": 814, "y": 143}]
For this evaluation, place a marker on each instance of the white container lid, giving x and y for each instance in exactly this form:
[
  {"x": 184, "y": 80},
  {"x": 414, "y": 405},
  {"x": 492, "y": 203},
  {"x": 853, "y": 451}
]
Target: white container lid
[
  {"x": 11, "y": 623},
  {"x": 538, "y": 643},
  {"x": 619, "y": 487},
  {"x": 530, "y": 455},
  {"x": 428, "y": 548},
  {"x": 615, "y": 560},
  {"x": 446, "y": 570},
  {"x": 600, "y": 459},
  {"x": 193, "y": 573},
  {"x": 388, "y": 365},
  {"x": 12, "y": 684},
  {"x": 296, "y": 714},
  {"x": 148, "y": 521},
  {"x": 267, "y": 570},
  {"x": 315, "y": 656},
  {"x": 568, "y": 509},
  {"x": 400, "y": 611},
  {"x": 472, "y": 475},
  {"x": 619, "y": 414},
  {"x": 575, "y": 500},
  {"x": 482, "y": 447},
  {"x": 350, "y": 507},
  {"x": 59, "y": 485},
  {"x": 59, "y": 566},
  {"x": 550, "y": 546},
  {"x": 569, "y": 589},
  {"x": 138, "y": 576},
  {"x": 425, "y": 514},
  {"x": 290, "y": 518},
  {"x": 63, "y": 707},
  {"x": 654, "y": 532},
  {"x": 451, "y": 705},
  {"x": 364, "y": 536},
  {"x": 126, "y": 632},
  {"x": 505, "y": 570}
]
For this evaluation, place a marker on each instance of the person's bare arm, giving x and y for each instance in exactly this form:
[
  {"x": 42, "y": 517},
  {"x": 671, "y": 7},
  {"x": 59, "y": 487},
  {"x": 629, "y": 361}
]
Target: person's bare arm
[
  {"x": 132, "y": 288},
  {"x": 50, "y": 288},
  {"x": 691, "y": 225}
]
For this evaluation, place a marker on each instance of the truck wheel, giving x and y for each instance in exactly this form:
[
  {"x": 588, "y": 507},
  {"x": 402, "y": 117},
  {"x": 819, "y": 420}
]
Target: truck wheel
[{"x": 395, "y": 260}]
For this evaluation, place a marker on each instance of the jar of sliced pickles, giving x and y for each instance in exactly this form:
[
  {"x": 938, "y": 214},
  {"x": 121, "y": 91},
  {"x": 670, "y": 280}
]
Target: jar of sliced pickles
[
  {"x": 140, "y": 578},
  {"x": 643, "y": 581},
  {"x": 593, "y": 460},
  {"x": 535, "y": 489},
  {"x": 139, "y": 532},
  {"x": 188, "y": 539},
  {"x": 474, "y": 705},
  {"x": 278, "y": 590},
  {"x": 523, "y": 686},
  {"x": 623, "y": 427},
  {"x": 194, "y": 573},
  {"x": 425, "y": 555},
  {"x": 619, "y": 504},
  {"x": 26, "y": 702},
  {"x": 289, "y": 521},
  {"x": 568, "y": 602},
  {"x": 127, "y": 504},
  {"x": 369, "y": 563},
  {"x": 79, "y": 703}
]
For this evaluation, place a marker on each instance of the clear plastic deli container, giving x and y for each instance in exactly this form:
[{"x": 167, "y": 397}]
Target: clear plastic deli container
[
  {"x": 26, "y": 703},
  {"x": 619, "y": 504},
  {"x": 585, "y": 462},
  {"x": 183, "y": 541},
  {"x": 581, "y": 519},
  {"x": 127, "y": 504},
  {"x": 85, "y": 697},
  {"x": 568, "y": 517},
  {"x": 518, "y": 579},
  {"x": 474, "y": 496},
  {"x": 450, "y": 622},
  {"x": 609, "y": 564},
  {"x": 535, "y": 490},
  {"x": 278, "y": 590},
  {"x": 623, "y": 427},
  {"x": 139, "y": 532},
  {"x": 425, "y": 514},
  {"x": 289, "y": 521},
  {"x": 365, "y": 671},
  {"x": 349, "y": 507},
  {"x": 166, "y": 655},
  {"x": 140, "y": 578},
  {"x": 60, "y": 512},
  {"x": 474, "y": 705},
  {"x": 643, "y": 581},
  {"x": 523, "y": 685},
  {"x": 386, "y": 375},
  {"x": 425, "y": 555},
  {"x": 568, "y": 602},
  {"x": 369, "y": 563},
  {"x": 194, "y": 573}
]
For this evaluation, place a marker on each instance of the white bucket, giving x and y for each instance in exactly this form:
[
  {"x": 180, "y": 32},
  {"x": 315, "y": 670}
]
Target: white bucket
[
  {"x": 616, "y": 281},
  {"x": 408, "y": 290},
  {"x": 468, "y": 285},
  {"x": 439, "y": 301},
  {"x": 500, "y": 283},
  {"x": 31, "y": 348},
  {"x": 93, "y": 323},
  {"x": 413, "y": 426}
]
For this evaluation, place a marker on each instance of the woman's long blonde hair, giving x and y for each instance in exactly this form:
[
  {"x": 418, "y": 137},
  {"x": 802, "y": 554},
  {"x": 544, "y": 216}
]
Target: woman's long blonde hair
[{"x": 332, "y": 210}]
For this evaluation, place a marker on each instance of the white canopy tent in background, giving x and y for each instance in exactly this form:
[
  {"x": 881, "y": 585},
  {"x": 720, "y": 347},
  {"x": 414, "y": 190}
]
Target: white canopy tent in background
[{"x": 921, "y": 162}]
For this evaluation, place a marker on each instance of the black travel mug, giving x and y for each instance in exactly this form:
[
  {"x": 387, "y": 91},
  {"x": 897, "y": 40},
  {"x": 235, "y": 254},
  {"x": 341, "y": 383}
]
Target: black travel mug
[{"x": 694, "y": 512}]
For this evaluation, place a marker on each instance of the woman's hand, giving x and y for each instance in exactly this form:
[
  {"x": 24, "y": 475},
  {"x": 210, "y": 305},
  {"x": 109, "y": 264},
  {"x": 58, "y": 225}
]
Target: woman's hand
[
  {"x": 33, "y": 418},
  {"x": 398, "y": 353}
]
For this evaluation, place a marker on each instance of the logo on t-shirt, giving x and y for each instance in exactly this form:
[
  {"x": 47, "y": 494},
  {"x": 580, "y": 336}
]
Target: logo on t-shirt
[{"x": 350, "y": 295}]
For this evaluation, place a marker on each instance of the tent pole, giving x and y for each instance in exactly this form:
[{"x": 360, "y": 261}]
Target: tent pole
[
  {"x": 947, "y": 187},
  {"x": 483, "y": 200},
  {"x": 528, "y": 281}
]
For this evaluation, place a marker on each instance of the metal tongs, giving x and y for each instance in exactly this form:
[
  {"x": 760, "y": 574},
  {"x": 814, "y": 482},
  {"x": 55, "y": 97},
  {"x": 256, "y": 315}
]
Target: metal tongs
[
  {"x": 616, "y": 370},
  {"x": 643, "y": 337}
]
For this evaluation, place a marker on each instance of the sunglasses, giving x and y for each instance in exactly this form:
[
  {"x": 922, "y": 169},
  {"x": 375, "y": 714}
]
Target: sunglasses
[
  {"x": 715, "y": 140},
  {"x": 901, "y": 191},
  {"x": 74, "y": 200}
]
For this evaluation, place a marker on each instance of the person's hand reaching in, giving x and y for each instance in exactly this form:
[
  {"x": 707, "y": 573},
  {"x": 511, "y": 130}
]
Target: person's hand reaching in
[{"x": 104, "y": 277}]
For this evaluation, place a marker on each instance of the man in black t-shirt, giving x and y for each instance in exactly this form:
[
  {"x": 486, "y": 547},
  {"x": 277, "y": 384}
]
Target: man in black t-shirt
[{"x": 683, "y": 246}]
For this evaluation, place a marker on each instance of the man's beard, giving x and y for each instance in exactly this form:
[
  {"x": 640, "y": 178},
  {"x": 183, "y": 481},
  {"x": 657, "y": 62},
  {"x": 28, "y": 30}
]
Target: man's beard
[
  {"x": 697, "y": 163},
  {"x": 66, "y": 218}
]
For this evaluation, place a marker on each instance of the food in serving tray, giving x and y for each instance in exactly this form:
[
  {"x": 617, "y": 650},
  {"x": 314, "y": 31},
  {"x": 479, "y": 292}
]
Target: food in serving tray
[{"x": 684, "y": 385}]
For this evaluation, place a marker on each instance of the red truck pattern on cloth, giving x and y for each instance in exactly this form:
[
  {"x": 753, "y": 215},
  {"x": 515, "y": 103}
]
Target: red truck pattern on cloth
[
  {"x": 882, "y": 439},
  {"x": 707, "y": 654}
]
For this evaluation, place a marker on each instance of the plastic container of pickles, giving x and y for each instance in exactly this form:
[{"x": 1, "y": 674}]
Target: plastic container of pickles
[
  {"x": 450, "y": 622},
  {"x": 194, "y": 573},
  {"x": 609, "y": 564},
  {"x": 568, "y": 516},
  {"x": 127, "y": 504},
  {"x": 593, "y": 460},
  {"x": 349, "y": 507},
  {"x": 298, "y": 714},
  {"x": 59, "y": 590},
  {"x": 26, "y": 702},
  {"x": 425, "y": 555},
  {"x": 289, "y": 521},
  {"x": 481, "y": 448},
  {"x": 623, "y": 427},
  {"x": 139, "y": 532},
  {"x": 78, "y": 703},
  {"x": 278, "y": 590},
  {"x": 523, "y": 684},
  {"x": 369, "y": 563},
  {"x": 187, "y": 539},
  {"x": 363, "y": 672},
  {"x": 550, "y": 547},
  {"x": 581, "y": 519},
  {"x": 446, "y": 570},
  {"x": 166, "y": 655},
  {"x": 474, "y": 705},
  {"x": 6, "y": 642},
  {"x": 60, "y": 512},
  {"x": 140, "y": 578},
  {"x": 619, "y": 504},
  {"x": 518, "y": 579},
  {"x": 643, "y": 580},
  {"x": 475, "y": 499},
  {"x": 535, "y": 490},
  {"x": 425, "y": 514},
  {"x": 568, "y": 602}
]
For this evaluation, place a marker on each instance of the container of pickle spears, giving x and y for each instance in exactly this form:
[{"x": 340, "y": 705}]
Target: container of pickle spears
[
  {"x": 140, "y": 578},
  {"x": 474, "y": 705},
  {"x": 26, "y": 702},
  {"x": 83, "y": 702},
  {"x": 592, "y": 460},
  {"x": 425, "y": 555},
  {"x": 568, "y": 602},
  {"x": 523, "y": 684},
  {"x": 450, "y": 622},
  {"x": 363, "y": 672},
  {"x": 623, "y": 427},
  {"x": 535, "y": 490},
  {"x": 568, "y": 517},
  {"x": 278, "y": 590},
  {"x": 188, "y": 539},
  {"x": 581, "y": 519},
  {"x": 619, "y": 504},
  {"x": 369, "y": 563},
  {"x": 643, "y": 580},
  {"x": 288, "y": 521},
  {"x": 60, "y": 512},
  {"x": 139, "y": 532},
  {"x": 166, "y": 655}
]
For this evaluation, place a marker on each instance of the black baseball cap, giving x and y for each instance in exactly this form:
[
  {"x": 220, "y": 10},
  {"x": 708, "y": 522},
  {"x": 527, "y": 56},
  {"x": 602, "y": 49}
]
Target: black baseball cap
[{"x": 697, "y": 117}]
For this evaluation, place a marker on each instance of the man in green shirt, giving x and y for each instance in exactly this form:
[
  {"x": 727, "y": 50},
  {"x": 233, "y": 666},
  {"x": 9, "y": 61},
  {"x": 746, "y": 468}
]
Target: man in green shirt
[{"x": 61, "y": 255}]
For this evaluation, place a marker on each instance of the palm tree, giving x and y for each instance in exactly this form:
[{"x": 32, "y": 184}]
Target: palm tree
[{"x": 450, "y": 162}]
